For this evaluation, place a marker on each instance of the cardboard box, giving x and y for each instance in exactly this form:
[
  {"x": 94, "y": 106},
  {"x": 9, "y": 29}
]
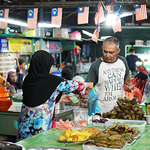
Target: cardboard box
[
  {"x": 29, "y": 33},
  {"x": 60, "y": 33}
]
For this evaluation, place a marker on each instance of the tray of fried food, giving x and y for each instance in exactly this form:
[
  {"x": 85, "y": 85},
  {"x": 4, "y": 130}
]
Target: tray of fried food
[
  {"x": 72, "y": 136},
  {"x": 127, "y": 132},
  {"x": 106, "y": 140}
]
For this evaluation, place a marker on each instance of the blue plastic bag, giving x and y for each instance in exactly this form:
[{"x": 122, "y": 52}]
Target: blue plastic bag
[{"x": 92, "y": 103}]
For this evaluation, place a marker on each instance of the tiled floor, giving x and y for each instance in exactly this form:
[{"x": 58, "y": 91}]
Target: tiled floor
[{"x": 8, "y": 138}]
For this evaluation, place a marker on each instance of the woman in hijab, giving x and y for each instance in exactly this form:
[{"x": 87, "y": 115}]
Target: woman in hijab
[
  {"x": 12, "y": 79},
  {"x": 41, "y": 90}
]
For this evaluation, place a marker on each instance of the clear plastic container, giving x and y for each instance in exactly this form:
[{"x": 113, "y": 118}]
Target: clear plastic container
[
  {"x": 80, "y": 117},
  {"x": 138, "y": 124}
]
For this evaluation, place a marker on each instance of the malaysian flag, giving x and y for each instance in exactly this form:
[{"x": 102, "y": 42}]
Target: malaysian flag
[
  {"x": 96, "y": 34},
  {"x": 99, "y": 16},
  {"x": 83, "y": 15},
  {"x": 109, "y": 5},
  {"x": 140, "y": 12},
  {"x": 32, "y": 18},
  {"x": 56, "y": 16},
  {"x": 117, "y": 25},
  {"x": 3, "y": 15}
]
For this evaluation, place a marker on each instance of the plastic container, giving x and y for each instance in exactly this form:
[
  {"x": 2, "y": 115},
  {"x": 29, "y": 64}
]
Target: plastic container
[
  {"x": 138, "y": 124},
  {"x": 147, "y": 118},
  {"x": 93, "y": 147},
  {"x": 103, "y": 125},
  {"x": 80, "y": 117},
  {"x": 5, "y": 104}
]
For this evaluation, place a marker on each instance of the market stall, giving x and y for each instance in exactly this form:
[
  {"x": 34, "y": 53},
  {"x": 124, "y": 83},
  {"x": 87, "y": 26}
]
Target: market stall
[{"x": 50, "y": 137}]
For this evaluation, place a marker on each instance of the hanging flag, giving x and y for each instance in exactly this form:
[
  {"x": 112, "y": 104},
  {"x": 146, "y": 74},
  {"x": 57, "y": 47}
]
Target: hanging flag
[
  {"x": 99, "y": 16},
  {"x": 109, "y": 5},
  {"x": 3, "y": 15},
  {"x": 96, "y": 34},
  {"x": 32, "y": 18},
  {"x": 117, "y": 25},
  {"x": 56, "y": 16},
  {"x": 83, "y": 15},
  {"x": 140, "y": 12}
]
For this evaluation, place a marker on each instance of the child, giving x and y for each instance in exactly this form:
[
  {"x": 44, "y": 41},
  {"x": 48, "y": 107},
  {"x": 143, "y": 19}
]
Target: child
[
  {"x": 20, "y": 73},
  {"x": 7, "y": 84}
]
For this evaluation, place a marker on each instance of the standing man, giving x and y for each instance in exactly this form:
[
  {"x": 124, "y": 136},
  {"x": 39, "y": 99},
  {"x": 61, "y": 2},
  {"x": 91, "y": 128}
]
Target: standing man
[
  {"x": 108, "y": 74},
  {"x": 131, "y": 60}
]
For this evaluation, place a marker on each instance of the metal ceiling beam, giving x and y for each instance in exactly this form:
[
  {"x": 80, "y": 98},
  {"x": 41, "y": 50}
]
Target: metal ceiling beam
[
  {"x": 73, "y": 4},
  {"x": 107, "y": 27}
]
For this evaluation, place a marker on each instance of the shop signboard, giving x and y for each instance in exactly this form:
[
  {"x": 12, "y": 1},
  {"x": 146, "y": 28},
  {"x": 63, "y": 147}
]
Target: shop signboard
[
  {"x": 54, "y": 47},
  {"x": 86, "y": 51},
  {"x": 8, "y": 62},
  {"x": 4, "y": 45},
  {"x": 20, "y": 45}
]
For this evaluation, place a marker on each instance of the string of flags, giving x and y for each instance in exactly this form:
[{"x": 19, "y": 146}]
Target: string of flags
[{"x": 82, "y": 16}]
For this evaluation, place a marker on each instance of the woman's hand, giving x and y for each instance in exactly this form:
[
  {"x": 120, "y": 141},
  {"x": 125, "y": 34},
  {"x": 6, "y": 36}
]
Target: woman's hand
[
  {"x": 89, "y": 85},
  {"x": 64, "y": 98}
]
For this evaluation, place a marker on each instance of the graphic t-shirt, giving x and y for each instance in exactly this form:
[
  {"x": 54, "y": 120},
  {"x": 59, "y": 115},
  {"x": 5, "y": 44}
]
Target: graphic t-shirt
[{"x": 108, "y": 79}]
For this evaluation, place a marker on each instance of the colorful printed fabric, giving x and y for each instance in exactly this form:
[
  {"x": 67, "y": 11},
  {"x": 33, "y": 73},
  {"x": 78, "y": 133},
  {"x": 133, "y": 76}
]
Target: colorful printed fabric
[{"x": 34, "y": 120}]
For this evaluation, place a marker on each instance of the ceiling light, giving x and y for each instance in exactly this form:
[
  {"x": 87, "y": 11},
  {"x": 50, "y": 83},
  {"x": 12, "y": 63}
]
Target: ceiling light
[
  {"x": 110, "y": 19},
  {"x": 87, "y": 33},
  {"x": 11, "y": 21},
  {"x": 90, "y": 34},
  {"x": 48, "y": 25}
]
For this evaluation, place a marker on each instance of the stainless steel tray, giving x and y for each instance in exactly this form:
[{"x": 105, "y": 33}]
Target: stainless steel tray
[
  {"x": 93, "y": 147},
  {"x": 131, "y": 142}
]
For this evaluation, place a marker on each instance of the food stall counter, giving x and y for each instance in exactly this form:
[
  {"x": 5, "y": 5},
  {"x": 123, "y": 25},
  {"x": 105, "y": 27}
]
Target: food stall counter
[{"x": 49, "y": 139}]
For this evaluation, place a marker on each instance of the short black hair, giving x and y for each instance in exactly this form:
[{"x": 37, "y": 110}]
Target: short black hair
[
  {"x": 66, "y": 74},
  {"x": 21, "y": 61},
  {"x": 132, "y": 50}
]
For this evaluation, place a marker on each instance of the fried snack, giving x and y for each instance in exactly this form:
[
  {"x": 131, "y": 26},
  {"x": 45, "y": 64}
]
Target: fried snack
[
  {"x": 101, "y": 138},
  {"x": 115, "y": 146},
  {"x": 101, "y": 145},
  {"x": 112, "y": 132},
  {"x": 103, "y": 134},
  {"x": 114, "y": 137},
  {"x": 76, "y": 135},
  {"x": 114, "y": 143}
]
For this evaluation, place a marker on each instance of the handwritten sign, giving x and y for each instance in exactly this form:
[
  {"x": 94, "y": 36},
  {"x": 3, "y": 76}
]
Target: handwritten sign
[{"x": 7, "y": 62}]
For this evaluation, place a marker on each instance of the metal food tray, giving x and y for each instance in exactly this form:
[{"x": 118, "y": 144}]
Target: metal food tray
[
  {"x": 137, "y": 136},
  {"x": 93, "y": 147},
  {"x": 138, "y": 124},
  {"x": 131, "y": 142}
]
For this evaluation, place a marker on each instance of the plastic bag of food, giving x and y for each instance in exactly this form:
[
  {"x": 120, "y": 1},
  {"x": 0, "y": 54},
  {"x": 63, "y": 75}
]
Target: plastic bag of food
[{"x": 92, "y": 103}]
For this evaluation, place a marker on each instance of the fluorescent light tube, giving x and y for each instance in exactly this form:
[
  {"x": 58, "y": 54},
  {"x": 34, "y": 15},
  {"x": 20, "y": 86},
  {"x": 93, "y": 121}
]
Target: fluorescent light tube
[
  {"x": 46, "y": 25},
  {"x": 12, "y": 21}
]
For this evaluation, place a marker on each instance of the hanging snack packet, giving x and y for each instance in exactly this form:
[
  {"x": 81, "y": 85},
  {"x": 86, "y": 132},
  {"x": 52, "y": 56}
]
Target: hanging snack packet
[{"x": 73, "y": 98}]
